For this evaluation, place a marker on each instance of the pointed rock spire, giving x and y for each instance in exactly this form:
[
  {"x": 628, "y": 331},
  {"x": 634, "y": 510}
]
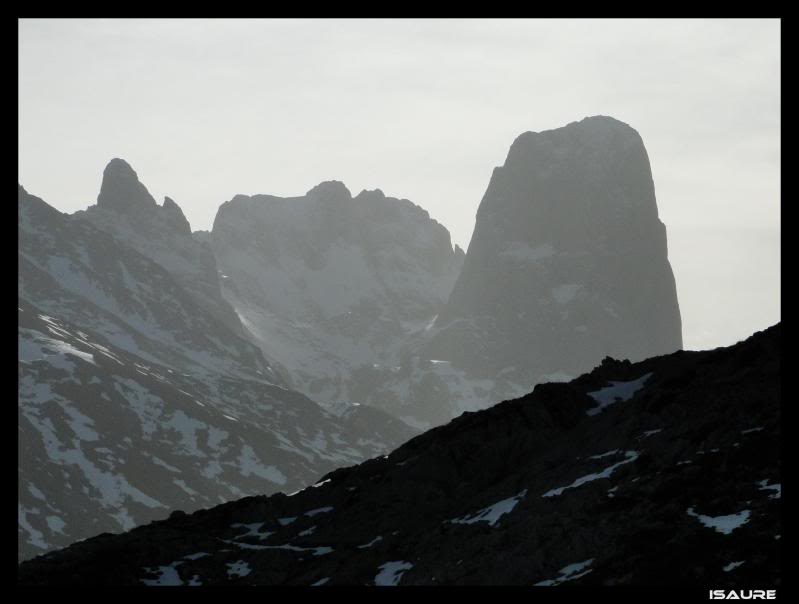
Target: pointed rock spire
[
  {"x": 174, "y": 215},
  {"x": 121, "y": 189}
]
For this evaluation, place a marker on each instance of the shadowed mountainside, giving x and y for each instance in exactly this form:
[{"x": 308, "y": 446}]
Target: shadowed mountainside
[{"x": 664, "y": 471}]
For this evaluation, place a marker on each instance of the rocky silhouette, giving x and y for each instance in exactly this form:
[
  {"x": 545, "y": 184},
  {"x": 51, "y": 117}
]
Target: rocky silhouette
[
  {"x": 121, "y": 190},
  {"x": 567, "y": 264},
  {"x": 664, "y": 471}
]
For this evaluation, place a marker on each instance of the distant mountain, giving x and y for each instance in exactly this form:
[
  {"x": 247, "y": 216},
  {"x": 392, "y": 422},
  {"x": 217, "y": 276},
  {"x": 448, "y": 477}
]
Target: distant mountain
[
  {"x": 567, "y": 264},
  {"x": 660, "y": 472},
  {"x": 126, "y": 210},
  {"x": 334, "y": 286},
  {"x": 138, "y": 391},
  {"x": 365, "y": 300}
]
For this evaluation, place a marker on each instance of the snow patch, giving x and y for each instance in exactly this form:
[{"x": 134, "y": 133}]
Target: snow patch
[
  {"x": 569, "y": 573},
  {"x": 168, "y": 575},
  {"x": 391, "y": 572},
  {"x": 629, "y": 455},
  {"x": 249, "y": 463},
  {"x": 723, "y": 524},
  {"x": 616, "y": 391},
  {"x": 253, "y": 530},
  {"x": 777, "y": 488},
  {"x": 371, "y": 543},
  {"x": 239, "y": 568},
  {"x": 494, "y": 512},
  {"x": 603, "y": 455}
]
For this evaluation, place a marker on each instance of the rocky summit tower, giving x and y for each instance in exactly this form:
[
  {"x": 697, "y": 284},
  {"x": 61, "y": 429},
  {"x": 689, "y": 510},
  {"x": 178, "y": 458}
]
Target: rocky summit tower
[{"x": 567, "y": 263}]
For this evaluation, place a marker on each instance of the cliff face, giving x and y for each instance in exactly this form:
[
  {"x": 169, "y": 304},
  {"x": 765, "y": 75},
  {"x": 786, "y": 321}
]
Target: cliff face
[
  {"x": 568, "y": 261},
  {"x": 331, "y": 285},
  {"x": 363, "y": 299},
  {"x": 126, "y": 210}
]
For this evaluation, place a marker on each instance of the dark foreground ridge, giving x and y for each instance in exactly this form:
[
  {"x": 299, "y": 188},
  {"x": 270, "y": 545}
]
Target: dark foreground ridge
[{"x": 663, "y": 472}]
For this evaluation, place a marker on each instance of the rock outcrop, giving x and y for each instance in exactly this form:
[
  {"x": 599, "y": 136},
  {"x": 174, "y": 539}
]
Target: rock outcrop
[
  {"x": 567, "y": 263},
  {"x": 121, "y": 190},
  {"x": 174, "y": 215}
]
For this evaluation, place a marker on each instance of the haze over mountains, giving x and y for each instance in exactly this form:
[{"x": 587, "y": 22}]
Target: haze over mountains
[{"x": 162, "y": 369}]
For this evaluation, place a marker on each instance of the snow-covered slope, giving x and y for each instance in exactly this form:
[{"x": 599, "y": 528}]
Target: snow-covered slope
[
  {"x": 135, "y": 399},
  {"x": 677, "y": 482},
  {"x": 74, "y": 271}
]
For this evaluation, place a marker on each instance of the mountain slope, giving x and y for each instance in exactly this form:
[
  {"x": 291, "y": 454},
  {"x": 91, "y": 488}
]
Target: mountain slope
[
  {"x": 126, "y": 210},
  {"x": 135, "y": 399},
  {"x": 664, "y": 471}
]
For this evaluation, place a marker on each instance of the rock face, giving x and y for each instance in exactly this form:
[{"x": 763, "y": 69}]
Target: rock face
[
  {"x": 173, "y": 214},
  {"x": 567, "y": 262},
  {"x": 135, "y": 399},
  {"x": 662, "y": 472},
  {"x": 364, "y": 300},
  {"x": 121, "y": 190},
  {"x": 332, "y": 286},
  {"x": 126, "y": 210}
]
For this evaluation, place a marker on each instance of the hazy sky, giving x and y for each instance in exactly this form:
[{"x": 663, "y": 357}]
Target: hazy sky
[{"x": 423, "y": 109}]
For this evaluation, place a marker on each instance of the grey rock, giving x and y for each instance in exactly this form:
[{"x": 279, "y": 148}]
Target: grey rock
[
  {"x": 567, "y": 264},
  {"x": 163, "y": 234},
  {"x": 134, "y": 400},
  {"x": 121, "y": 190},
  {"x": 333, "y": 286},
  {"x": 172, "y": 212}
]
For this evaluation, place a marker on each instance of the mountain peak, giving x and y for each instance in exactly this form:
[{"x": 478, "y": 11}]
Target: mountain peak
[
  {"x": 371, "y": 194},
  {"x": 564, "y": 196},
  {"x": 175, "y": 215},
  {"x": 332, "y": 190},
  {"x": 602, "y": 119},
  {"x": 121, "y": 189}
]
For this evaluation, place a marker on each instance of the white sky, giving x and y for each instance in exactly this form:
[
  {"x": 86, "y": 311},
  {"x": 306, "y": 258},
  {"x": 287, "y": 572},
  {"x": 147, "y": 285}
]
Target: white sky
[{"x": 423, "y": 109}]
